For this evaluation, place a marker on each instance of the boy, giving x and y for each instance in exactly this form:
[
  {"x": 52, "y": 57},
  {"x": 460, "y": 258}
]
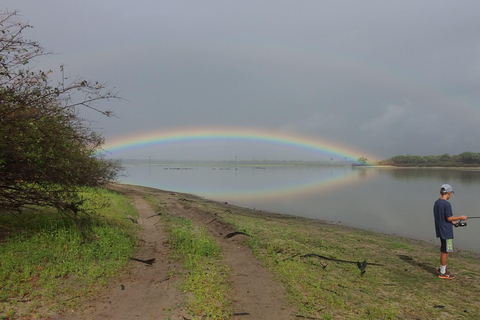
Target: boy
[{"x": 444, "y": 221}]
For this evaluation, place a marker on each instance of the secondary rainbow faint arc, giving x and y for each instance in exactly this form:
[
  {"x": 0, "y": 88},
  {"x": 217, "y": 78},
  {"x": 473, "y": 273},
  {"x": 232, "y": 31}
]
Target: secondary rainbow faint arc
[{"x": 146, "y": 139}]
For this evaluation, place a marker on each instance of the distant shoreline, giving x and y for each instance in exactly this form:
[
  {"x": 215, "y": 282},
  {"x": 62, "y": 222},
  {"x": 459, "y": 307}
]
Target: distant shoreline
[{"x": 285, "y": 164}]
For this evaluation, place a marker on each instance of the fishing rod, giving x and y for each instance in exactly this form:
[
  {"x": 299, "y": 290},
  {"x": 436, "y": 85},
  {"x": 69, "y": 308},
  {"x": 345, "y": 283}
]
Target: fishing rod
[{"x": 463, "y": 223}]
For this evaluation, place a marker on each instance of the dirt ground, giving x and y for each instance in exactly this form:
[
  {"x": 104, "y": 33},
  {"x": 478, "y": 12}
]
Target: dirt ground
[{"x": 152, "y": 291}]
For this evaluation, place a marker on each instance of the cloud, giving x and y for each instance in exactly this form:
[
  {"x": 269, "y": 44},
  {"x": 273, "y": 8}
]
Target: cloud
[
  {"x": 379, "y": 76},
  {"x": 323, "y": 124},
  {"x": 389, "y": 121}
]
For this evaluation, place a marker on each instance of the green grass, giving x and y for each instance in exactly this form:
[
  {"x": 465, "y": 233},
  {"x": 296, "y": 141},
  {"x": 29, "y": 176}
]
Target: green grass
[
  {"x": 47, "y": 264},
  {"x": 205, "y": 282},
  {"x": 405, "y": 285}
]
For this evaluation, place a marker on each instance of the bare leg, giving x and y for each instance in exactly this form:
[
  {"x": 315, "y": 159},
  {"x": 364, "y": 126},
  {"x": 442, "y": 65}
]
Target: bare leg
[{"x": 443, "y": 258}]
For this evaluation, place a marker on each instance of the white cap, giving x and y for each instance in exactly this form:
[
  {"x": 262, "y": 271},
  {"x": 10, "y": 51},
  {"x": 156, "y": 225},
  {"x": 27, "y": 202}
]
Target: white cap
[{"x": 446, "y": 188}]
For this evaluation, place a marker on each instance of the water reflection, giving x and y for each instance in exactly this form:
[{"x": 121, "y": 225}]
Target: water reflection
[
  {"x": 464, "y": 176},
  {"x": 388, "y": 200}
]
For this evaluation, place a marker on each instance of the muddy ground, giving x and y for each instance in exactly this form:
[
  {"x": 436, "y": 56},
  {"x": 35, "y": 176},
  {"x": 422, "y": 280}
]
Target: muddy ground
[{"x": 152, "y": 291}]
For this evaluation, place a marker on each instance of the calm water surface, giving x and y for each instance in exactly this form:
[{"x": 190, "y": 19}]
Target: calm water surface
[{"x": 387, "y": 200}]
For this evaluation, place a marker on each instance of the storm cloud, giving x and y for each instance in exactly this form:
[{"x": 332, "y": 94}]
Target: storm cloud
[{"x": 386, "y": 77}]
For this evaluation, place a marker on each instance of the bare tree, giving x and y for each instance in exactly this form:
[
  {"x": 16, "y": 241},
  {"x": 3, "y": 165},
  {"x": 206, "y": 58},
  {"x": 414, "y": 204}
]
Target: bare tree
[{"x": 47, "y": 151}]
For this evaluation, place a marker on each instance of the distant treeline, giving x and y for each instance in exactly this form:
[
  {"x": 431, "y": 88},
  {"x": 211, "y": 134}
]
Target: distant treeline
[
  {"x": 465, "y": 159},
  {"x": 239, "y": 163}
]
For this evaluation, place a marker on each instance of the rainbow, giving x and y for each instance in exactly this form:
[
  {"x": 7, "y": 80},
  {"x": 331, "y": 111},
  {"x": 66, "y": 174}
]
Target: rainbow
[{"x": 192, "y": 135}]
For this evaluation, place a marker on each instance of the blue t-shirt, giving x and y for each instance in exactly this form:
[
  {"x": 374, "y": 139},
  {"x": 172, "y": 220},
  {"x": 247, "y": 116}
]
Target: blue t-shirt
[{"x": 442, "y": 209}]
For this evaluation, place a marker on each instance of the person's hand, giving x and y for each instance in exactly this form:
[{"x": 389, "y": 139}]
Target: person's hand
[{"x": 463, "y": 217}]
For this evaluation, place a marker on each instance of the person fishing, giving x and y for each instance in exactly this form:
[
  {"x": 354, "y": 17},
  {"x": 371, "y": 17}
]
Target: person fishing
[{"x": 444, "y": 222}]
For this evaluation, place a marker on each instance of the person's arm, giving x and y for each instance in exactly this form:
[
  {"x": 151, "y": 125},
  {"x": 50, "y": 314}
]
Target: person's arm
[{"x": 453, "y": 219}]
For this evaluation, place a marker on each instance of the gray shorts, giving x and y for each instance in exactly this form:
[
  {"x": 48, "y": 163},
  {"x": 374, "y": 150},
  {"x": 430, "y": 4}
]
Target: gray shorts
[{"x": 447, "y": 245}]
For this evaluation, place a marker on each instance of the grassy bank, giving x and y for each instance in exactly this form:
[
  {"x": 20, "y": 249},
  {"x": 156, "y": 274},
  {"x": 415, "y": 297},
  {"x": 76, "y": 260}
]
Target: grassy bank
[
  {"x": 398, "y": 282},
  {"x": 335, "y": 272},
  {"x": 329, "y": 272},
  {"x": 46, "y": 264}
]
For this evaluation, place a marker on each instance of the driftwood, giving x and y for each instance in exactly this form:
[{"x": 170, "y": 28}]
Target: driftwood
[
  {"x": 307, "y": 317},
  {"x": 15, "y": 300},
  {"x": 133, "y": 220},
  {"x": 149, "y": 261},
  {"x": 212, "y": 221},
  {"x": 232, "y": 234},
  {"x": 361, "y": 265}
]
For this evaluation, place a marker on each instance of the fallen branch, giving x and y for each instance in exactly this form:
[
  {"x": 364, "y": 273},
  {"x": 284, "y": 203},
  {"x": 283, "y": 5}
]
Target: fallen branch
[
  {"x": 361, "y": 265},
  {"x": 307, "y": 317},
  {"x": 232, "y": 234},
  {"x": 212, "y": 221},
  {"x": 149, "y": 261},
  {"x": 15, "y": 300},
  {"x": 289, "y": 258},
  {"x": 133, "y": 220},
  {"x": 22, "y": 299},
  {"x": 338, "y": 260}
]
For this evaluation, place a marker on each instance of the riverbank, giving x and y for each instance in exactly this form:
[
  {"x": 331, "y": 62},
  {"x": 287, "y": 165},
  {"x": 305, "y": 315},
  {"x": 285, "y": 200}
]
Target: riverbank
[
  {"x": 272, "y": 266},
  {"x": 325, "y": 271}
]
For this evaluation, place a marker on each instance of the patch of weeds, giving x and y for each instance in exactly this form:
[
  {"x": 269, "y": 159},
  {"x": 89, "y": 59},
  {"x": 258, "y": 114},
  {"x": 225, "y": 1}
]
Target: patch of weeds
[
  {"x": 206, "y": 283},
  {"x": 207, "y": 286},
  {"x": 155, "y": 202},
  {"x": 404, "y": 284},
  {"x": 396, "y": 244},
  {"x": 48, "y": 264},
  {"x": 380, "y": 313}
]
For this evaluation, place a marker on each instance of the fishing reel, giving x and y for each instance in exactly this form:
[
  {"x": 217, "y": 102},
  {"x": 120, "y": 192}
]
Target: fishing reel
[{"x": 461, "y": 224}]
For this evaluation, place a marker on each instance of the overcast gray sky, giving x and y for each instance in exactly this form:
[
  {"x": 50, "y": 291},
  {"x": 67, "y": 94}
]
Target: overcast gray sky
[{"x": 383, "y": 77}]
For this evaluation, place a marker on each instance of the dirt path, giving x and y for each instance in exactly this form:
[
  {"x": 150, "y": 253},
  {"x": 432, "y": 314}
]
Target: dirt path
[{"x": 152, "y": 292}]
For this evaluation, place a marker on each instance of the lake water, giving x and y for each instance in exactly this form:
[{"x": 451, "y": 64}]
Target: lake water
[{"x": 387, "y": 200}]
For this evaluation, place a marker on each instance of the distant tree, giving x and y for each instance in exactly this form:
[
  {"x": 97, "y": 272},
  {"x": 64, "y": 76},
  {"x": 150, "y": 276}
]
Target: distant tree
[
  {"x": 47, "y": 152},
  {"x": 469, "y": 158},
  {"x": 445, "y": 157},
  {"x": 431, "y": 160},
  {"x": 362, "y": 160},
  {"x": 444, "y": 160}
]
